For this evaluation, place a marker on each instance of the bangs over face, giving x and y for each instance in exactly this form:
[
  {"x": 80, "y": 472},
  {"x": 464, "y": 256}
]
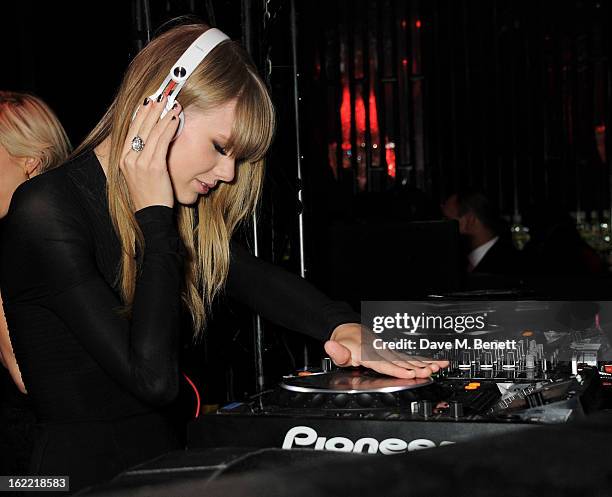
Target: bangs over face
[
  {"x": 253, "y": 128},
  {"x": 228, "y": 74}
]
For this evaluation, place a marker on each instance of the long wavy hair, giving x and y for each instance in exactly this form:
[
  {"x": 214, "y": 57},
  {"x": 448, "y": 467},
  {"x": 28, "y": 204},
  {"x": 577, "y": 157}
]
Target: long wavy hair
[
  {"x": 29, "y": 128},
  {"x": 227, "y": 73}
]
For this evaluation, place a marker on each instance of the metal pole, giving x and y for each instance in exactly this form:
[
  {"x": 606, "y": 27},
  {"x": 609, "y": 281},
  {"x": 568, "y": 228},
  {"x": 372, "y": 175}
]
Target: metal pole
[
  {"x": 142, "y": 19},
  {"x": 147, "y": 18},
  {"x": 247, "y": 42},
  {"x": 211, "y": 12},
  {"x": 298, "y": 152},
  {"x": 297, "y": 138},
  {"x": 257, "y": 323}
]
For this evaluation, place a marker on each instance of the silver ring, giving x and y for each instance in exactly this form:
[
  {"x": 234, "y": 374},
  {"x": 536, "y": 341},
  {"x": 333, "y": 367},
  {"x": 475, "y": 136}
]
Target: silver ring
[{"x": 137, "y": 144}]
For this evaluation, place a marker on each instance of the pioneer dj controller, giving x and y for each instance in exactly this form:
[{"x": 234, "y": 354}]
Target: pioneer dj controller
[{"x": 482, "y": 393}]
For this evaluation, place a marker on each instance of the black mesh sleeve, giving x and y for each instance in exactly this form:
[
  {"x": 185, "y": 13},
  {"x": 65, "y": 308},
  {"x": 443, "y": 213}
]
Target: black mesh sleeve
[
  {"x": 47, "y": 242},
  {"x": 284, "y": 298}
]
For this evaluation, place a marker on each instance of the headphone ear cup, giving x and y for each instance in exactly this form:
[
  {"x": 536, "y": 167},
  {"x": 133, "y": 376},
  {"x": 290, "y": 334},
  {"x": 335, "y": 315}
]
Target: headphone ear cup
[{"x": 180, "y": 126}]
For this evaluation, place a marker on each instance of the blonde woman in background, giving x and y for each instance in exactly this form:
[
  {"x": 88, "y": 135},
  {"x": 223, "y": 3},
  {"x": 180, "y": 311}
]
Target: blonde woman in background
[{"x": 32, "y": 141}]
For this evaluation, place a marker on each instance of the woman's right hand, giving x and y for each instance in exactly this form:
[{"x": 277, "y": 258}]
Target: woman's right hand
[{"x": 146, "y": 172}]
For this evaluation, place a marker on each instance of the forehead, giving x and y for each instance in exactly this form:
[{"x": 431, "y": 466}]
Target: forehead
[{"x": 218, "y": 120}]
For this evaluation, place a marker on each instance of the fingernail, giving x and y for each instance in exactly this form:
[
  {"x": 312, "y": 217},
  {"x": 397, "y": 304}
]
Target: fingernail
[
  {"x": 159, "y": 99},
  {"x": 146, "y": 101}
]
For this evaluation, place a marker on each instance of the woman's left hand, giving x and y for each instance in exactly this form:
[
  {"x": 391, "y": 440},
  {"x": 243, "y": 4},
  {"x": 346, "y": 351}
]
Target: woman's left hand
[{"x": 345, "y": 348}]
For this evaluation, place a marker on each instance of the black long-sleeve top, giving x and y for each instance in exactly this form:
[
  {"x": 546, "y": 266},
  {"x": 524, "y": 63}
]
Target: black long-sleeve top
[{"x": 81, "y": 359}]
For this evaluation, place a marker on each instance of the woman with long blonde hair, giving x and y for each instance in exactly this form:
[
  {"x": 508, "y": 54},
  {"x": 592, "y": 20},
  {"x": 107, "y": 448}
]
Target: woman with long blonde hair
[
  {"x": 32, "y": 141},
  {"x": 104, "y": 252}
]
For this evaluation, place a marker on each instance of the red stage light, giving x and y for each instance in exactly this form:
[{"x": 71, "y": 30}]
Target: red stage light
[
  {"x": 360, "y": 116},
  {"x": 390, "y": 157},
  {"x": 345, "y": 123},
  {"x": 373, "y": 118}
]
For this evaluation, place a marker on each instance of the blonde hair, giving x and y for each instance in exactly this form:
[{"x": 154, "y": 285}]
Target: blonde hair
[
  {"x": 29, "y": 128},
  {"x": 206, "y": 228}
]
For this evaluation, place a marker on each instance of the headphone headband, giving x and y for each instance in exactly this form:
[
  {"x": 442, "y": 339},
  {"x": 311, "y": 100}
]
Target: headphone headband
[
  {"x": 196, "y": 52},
  {"x": 186, "y": 64}
]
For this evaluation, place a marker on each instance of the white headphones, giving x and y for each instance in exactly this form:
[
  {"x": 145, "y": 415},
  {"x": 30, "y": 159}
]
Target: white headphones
[{"x": 183, "y": 68}]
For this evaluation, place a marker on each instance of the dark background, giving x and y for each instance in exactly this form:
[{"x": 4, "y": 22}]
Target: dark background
[{"x": 401, "y": 103}]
